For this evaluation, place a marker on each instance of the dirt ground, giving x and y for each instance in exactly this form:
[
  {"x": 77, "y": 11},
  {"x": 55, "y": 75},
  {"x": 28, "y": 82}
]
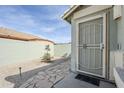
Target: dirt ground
[{"x": 9, "y": 74}]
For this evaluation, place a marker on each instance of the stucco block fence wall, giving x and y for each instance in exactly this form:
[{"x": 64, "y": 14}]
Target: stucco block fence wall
[
  {"x": 16, "y": 51},
  {"x": 62, "y": 50}
]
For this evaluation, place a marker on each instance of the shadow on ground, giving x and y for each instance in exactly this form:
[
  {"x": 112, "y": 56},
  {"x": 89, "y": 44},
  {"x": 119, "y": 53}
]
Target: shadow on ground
[{"x": 17, "y": 80}]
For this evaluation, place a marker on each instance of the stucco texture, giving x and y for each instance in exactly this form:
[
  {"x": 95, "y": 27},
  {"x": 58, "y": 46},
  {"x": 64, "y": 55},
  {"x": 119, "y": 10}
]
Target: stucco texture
[
  {"x": 15, "y": 51},
  {"x": 62, "y": 50}
]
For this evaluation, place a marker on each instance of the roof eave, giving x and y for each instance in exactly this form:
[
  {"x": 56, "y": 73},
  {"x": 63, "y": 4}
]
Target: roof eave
[{"x": 69, "y": 12}]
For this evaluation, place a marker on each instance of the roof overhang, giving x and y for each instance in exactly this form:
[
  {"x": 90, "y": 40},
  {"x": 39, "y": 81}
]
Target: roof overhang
[{"x": 69, "y": 12}]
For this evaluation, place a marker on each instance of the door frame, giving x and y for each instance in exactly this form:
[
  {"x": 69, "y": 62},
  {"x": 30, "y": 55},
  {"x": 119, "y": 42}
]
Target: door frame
[{"x": 104, "y": 42}]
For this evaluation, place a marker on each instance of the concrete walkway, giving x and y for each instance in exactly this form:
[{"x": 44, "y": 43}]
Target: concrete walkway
[{"x": 71, "y": 82}]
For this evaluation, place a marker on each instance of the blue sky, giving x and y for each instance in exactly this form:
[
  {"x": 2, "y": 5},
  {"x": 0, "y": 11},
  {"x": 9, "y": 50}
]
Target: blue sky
[{"x": 44, "y": 21}]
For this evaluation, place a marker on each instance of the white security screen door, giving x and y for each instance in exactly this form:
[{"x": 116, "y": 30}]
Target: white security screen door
[{"x": 91, "y": 47}]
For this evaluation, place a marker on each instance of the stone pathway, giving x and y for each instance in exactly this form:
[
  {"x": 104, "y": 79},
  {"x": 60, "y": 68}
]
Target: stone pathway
[{"x": 49, "y": 77}]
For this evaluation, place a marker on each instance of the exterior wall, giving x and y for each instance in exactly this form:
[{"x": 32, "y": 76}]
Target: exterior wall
[
  {"x": 73, "y": 46},
  {"x": 115, "y": 28},
  {"x": 120, "y": 29},
  {"x": 116, "y": 44},
  {"x": 90, "y": 10},
  {"x": 61, "y": 50},
  {"x": 74, "y": 56},
  {"x": 112, "y": 32},
  {"x": 43, "y": 42},
  {"x": 116, "y": 55},
  {"x": 15, "y": 51}
]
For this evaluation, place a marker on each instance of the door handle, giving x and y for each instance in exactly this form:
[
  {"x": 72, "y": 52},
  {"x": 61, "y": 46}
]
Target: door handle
[{"x": 101, "y": 46}]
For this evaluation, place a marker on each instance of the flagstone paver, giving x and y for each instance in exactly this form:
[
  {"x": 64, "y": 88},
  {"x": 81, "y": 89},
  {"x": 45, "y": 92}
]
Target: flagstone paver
[{"x": 47, "y": 78}]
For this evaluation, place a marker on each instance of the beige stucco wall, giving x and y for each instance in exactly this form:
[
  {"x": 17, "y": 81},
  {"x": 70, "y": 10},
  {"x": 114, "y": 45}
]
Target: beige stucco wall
[
  {"x": 43, "y": 42},
  {"x": 62, "y": 50},
  {"x": 73, "y": 46},
  {"x": 14, "y": 51},
  {"x": 112, "y": 43},
  {"x": 119, "y": 50},
  {"x": 120, "y": 30}
]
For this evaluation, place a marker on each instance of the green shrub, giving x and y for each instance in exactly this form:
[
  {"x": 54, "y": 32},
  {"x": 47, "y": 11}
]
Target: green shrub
[{"x": 46, "y": 57}]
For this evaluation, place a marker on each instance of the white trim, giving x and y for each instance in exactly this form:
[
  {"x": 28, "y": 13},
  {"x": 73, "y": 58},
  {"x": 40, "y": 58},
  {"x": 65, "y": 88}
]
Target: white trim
[
  {"x": 69, "y": 11},
  {"x": 89, "y": 18},
  {"x": 104, "y": 41},
  {"x": 77, "y": 37}
]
